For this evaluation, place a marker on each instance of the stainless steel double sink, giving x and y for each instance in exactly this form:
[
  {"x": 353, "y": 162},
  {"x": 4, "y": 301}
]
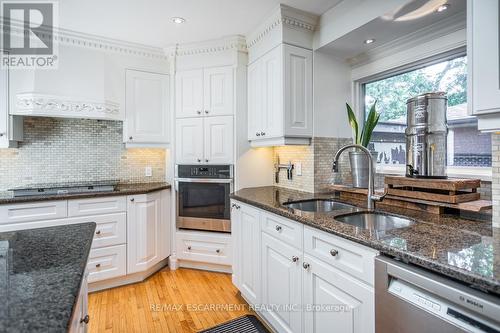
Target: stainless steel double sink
[{"x": 365, "y": 220}]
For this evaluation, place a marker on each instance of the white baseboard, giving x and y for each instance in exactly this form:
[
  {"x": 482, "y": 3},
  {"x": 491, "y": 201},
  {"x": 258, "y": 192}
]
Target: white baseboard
[{"x": 205, "y": 266}]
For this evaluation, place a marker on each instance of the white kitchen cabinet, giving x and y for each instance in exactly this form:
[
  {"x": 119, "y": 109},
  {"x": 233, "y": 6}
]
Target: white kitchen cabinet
[
  {"x": 280, "y": 97},
  {"x": 246, "y": 233},
  {"x": 484, "y": 66},
  {"x": 339, "y": 300},
  {"x": 206, "y": 247},
  {"x": 11, "y": 127},
  {"x": 189, "y": 141},
  {"x": 80, "y": 317},
  {"x": 204, "y": 140},
  {"x": 147, "y": 230},
  {"x": 281, "y": 284},
  {"x": 205, "y": 92},
  {"x": 218, "y": 133},
  {"x": 107, "y": 262},
  {"x": 147, "y": 108}
]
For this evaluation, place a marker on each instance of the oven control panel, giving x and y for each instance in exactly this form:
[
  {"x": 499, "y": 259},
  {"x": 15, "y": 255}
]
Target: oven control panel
[{"x": 204, "y": 171}]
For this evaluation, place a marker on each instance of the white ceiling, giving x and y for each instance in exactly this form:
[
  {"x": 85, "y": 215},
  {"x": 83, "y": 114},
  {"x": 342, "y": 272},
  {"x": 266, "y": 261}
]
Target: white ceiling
[{"x": 150, "y": 21}]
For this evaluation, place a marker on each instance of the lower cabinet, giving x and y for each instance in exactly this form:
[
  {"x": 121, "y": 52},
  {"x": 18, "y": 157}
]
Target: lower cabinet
[
  {"x": 306, "y": 285},
  {"x": 80, "y": 319}
]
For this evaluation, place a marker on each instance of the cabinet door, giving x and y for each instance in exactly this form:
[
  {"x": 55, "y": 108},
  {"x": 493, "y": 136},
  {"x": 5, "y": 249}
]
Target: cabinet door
[
  {"x": 281, "y": 284},
  {"x": 189, "y": 93},
  {"x": 4, "y": 108},
  {"x": 143, "y": 231},
  {"x": 218, "y": 140},
  {"x": 249, "y": 255},
  {"x": 336, "y": 300},
  {"x": 147, "y": 107},
  {"x": 272, "y": 116},
  {"x": 218, "y": 91},
  {"x": 297, "y": 91},
  {"x": 189, "y": 140},
  {"x": 255, "y": 99}
]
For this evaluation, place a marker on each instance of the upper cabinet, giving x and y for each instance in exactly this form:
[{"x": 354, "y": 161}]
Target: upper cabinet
[
  {"x": 147, "y": 108},
  {"x": 204, "y": 92},
  {"x": 484, "y": 66},
  {"x": 280, "y": 97},
  {"x": 280, "y": 79},
  {"x": 11, "y": 127}
]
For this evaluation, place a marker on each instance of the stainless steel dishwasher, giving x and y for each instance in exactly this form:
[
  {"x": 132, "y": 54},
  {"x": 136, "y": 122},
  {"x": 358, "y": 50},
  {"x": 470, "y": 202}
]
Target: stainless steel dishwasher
[{"x": 410, "y": 300}]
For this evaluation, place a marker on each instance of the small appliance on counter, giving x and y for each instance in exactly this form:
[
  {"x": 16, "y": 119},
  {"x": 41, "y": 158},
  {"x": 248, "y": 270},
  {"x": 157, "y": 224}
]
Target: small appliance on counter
[
  {"x": 426, "y": 134},
  {"x": 202, "y": 197}
]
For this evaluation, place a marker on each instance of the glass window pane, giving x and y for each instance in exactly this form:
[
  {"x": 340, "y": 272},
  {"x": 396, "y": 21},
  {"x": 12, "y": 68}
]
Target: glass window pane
[{"x": 466, "y": 145}]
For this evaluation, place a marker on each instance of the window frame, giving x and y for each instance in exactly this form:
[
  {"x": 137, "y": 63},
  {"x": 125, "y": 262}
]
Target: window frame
[{"x": 483, "y": 173}]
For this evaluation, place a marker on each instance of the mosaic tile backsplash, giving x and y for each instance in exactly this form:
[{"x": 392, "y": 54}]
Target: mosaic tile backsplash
[{"x": 60, "y": 150}]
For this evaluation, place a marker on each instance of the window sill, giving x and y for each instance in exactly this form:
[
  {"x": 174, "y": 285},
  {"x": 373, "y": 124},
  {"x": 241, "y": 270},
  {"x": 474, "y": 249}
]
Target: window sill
[{"x": 457, "y": 172}]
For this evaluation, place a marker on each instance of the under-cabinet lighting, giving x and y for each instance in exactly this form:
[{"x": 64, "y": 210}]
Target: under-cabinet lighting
[{"x": 178, "y": 20}]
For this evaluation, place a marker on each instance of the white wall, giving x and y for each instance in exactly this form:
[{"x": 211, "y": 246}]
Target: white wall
[{"x": 332, "y": 89}]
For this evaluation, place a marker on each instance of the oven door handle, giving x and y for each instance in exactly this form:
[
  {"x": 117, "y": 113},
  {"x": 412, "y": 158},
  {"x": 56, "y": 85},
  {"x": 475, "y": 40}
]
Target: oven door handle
[{"x": 203, "y": 180}]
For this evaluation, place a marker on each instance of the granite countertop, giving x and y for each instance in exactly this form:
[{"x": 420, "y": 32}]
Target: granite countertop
[
  {"x": 7, "y": 197},
  {"x": 41, "y": 271},
  {"x": 462, "y": 248}
]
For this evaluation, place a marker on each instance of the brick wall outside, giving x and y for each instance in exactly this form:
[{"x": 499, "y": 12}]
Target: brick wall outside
[{"x": 59, "y": 150}]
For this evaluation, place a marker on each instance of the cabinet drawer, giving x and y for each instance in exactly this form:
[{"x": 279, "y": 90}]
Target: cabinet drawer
[
  {"x": 352, "y": 258},
  {"x": 111, "y": 229},
  {"x": 203, "y": 247},
  {"x": 107, "y": 262},
  {"x": 286, "y": 230},
  {"x": 101, "y": 205},
  {"x": 44, "y": 210}
]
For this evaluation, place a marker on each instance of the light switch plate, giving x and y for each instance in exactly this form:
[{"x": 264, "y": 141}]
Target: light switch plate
[
  {"x": 148, "y": 171},
  {"x": 298, "y": 168}
]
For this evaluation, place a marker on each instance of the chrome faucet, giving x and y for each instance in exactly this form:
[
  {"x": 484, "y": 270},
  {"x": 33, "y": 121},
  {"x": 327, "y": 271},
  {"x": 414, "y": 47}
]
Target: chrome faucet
[
  {"x": 371, "y": 187},
  {"x": 288, "y": 167}
]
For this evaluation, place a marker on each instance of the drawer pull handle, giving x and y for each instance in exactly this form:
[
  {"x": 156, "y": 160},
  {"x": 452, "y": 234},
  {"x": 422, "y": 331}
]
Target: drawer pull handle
[
  {"x": 189, "y": 248},
  {"x": 206, "y": 111},
  {"x": 295, "y": 259},
  {"x": 334, "y": 252},
  {"x": 306, "y": 265},
  {"x": 132, "y": 199},
  {"x": 131, "y": 138},
  {"x": 85, "y": 319},
  {"x": 218, "y": 250},
  {"x": 278, "y": 228},
  {"x": 97, "y": 265},
  {"x": 98, "y": 232}
]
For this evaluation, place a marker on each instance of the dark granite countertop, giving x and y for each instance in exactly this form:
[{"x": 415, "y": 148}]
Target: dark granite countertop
[
  {"x": 41, "y": 271},
  {"x": 461, "y": 248},
  {"x": 6, "y": 197}
]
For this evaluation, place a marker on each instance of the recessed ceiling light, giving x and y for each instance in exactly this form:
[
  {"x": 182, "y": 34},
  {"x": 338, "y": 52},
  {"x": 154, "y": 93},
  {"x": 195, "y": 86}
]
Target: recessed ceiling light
[
  {"x": 442, "y": 8},
  {"x": 369, "y": 41},
  {"x": 178, "y": 20}
]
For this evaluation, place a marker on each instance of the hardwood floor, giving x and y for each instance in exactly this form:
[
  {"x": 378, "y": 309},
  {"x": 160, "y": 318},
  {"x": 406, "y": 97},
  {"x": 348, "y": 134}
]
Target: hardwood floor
[{"x": 184, "y": 300}]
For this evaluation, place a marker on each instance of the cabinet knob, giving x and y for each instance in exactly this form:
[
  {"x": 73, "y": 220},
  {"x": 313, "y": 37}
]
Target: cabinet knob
[
  {"x": 131, "y": 138},
  {"x": 278, "y": 228},
  {"x": 206, "y": 111},
  {"x": 2, "y": 134},
  {"x": 305, "y": 265},
  {"x": 334, "y": 252},
  {"x": 295, "y": 258},
  {"x": 85, "y": 319},
  {"x": 97, "y": 265},
  {"x": 218, "y": 250},
  {"x": 262, "y": 133},
  {"x": 189, "y": 248},
  {"x": 132, "y": 199},
  {"x": 98, "y": 232},
  {"x": 257, "y": 134},
  {"x": 198, "y": 112},
  {"x": 206, "y": 160},
  {"x": 199, "y": 160}
]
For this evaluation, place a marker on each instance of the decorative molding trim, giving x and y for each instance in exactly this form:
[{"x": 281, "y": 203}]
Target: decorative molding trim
[
  {"x": 79, "y": 39},
  {"x": 57, "y": 106},
  {"x": 264, "y": 32},
  {"x": 236, "y": 43}
]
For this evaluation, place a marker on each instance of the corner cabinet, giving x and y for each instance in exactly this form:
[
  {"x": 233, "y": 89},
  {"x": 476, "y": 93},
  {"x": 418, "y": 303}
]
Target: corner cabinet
[
  {"x": 483, "y": 52},
  {"x": 147, "y": 118},
  {"x": 147, "y": 230},
  {"x": 305, "y": 279},
  {"x": 280, "y": 97}
]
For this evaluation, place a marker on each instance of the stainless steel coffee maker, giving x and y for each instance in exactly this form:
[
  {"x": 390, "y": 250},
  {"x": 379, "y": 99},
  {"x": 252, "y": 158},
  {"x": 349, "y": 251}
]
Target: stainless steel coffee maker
[{"x": 426, "y": 134}]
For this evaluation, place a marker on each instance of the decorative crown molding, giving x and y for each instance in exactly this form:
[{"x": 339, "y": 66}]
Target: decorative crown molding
[
  {"x": 236, "y": 43},
  {"x": 57, "y": 106}
]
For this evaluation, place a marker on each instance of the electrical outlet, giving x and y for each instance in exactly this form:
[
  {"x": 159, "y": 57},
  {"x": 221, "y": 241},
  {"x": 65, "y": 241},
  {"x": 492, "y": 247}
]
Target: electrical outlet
[
  {"x": 298, "y": 168},
  {"x": 148, "y": 171}
]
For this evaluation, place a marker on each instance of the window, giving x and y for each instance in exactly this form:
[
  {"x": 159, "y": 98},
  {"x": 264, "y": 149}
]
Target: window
[{"x": 466, "y": 148}]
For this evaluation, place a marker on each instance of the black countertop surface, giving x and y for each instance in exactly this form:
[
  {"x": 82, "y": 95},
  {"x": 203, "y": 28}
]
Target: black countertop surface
[
  {"x": 7, "y": 197},
  {"x": 41, "y": 271},
  {"x": 461, "y": 248}
]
